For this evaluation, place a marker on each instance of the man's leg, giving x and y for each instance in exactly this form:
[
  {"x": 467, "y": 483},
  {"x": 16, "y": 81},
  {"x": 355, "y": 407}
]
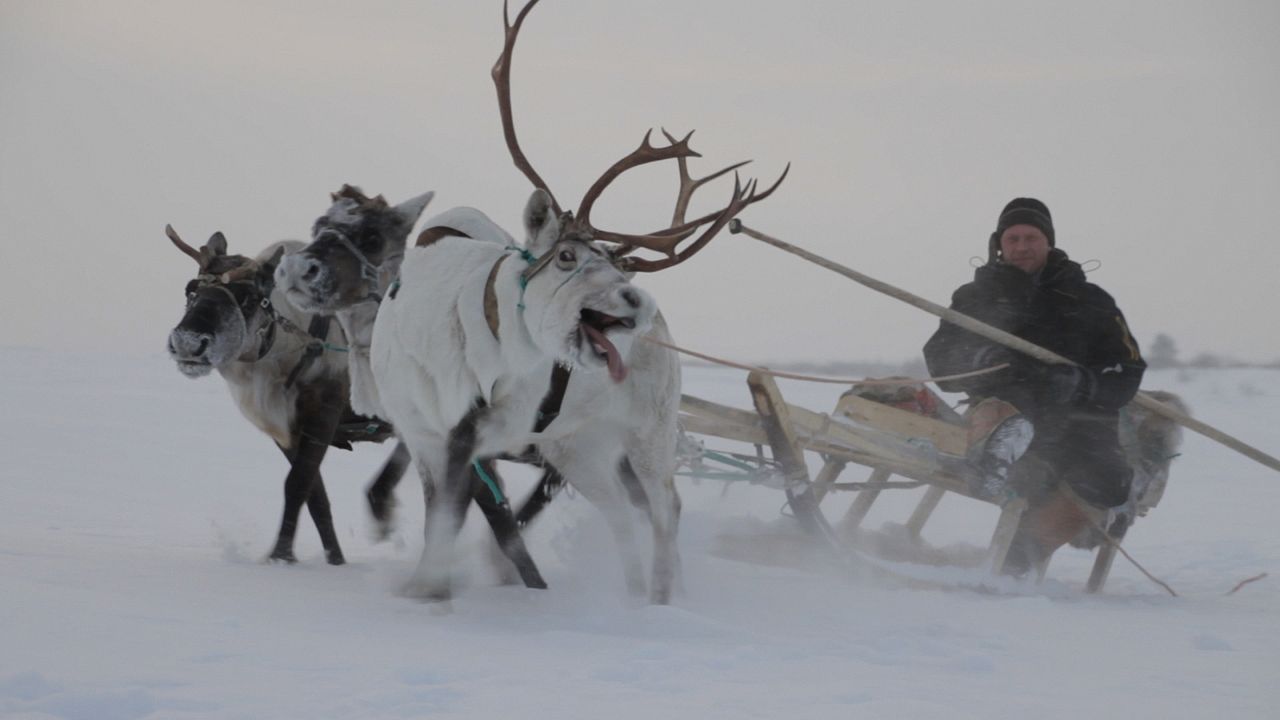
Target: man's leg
[{"x": 1091, "y": 476}]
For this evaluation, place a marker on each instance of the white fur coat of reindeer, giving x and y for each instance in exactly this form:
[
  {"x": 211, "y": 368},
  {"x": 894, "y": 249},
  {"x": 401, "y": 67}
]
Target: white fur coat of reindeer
[{"x": 463, "y": 350}]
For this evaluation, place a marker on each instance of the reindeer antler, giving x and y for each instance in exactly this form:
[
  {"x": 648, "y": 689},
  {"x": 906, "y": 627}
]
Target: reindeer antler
[
  {"x": 199, "y": 257},
  {"x": 502, "y": 80},
  {"x": 240, "y": 273},
  {"x": 664, "y": 241},
  {"x": 646, "y": 153},
  {"x": 352, "y": 192},
  {"x": 667, "y": 243},
  {"x": 202, "y": 257}
]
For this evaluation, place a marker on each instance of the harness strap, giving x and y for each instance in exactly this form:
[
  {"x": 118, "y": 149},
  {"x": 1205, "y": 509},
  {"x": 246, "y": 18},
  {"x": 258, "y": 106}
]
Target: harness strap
[
  {"x": 318, "y": 329},
  {"x": 369, "y": 272},
  {"x": 429, "y": 236},
  {"x": 268, "y": 334},
  {"x": 549, "y": 410},
  {"x": 491, "y": 315},
  {"x": 267, "y": 331}
]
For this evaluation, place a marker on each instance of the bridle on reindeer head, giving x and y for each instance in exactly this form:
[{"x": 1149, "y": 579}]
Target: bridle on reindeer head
[
  {"x": 578, "y": 225},
  {"x": 246, "y": 274},
  {"x": 243, "y": 274},
  {"x": 370, "y": 272}
]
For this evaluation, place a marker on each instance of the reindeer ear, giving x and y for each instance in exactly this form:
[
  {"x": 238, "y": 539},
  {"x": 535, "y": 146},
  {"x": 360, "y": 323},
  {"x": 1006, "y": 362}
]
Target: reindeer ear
[
  {"x": 266, "y": 277},
  {"x": 216, "y": 246},
  {"x": 541, "y": 226},
  {"x": 409, "y": 210},
  {"x": 269, "y": 266}
]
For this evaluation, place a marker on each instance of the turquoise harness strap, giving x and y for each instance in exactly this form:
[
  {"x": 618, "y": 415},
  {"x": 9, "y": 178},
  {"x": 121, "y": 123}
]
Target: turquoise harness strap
[
  {"x": 534, "y": 266},
  {"x": 489, "y": 482}
]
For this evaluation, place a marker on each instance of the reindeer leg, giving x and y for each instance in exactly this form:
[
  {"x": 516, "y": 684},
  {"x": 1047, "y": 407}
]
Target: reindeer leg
[
  {"x": 664, "y": 515},
  {"x": 548, "y": 487},
  {"x": 293, "y": 501},
  {"x": 506, "y": 529},
  {"x": 635, "y": 489},
  {"x": 318, "y": 506},
  {"x": 319, "y": 408},
  {"x": 596, "y": 477},
  {"x": 446, "y": 500},
  {"x": 381, "y": 492}
]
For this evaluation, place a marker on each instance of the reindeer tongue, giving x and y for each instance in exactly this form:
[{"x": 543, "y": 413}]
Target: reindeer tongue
[{"x": 617, "y": 369}]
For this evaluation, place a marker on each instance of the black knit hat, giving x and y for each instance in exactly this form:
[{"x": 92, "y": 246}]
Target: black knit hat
[{"x": 1022, "y": 211}]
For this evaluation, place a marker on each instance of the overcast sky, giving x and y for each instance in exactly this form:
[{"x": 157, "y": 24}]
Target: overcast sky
[{"x": 1151, "y": 129}]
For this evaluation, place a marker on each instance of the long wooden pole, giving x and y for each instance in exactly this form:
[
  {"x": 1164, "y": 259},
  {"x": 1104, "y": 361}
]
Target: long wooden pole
[{"x": 1007, "y": 339}]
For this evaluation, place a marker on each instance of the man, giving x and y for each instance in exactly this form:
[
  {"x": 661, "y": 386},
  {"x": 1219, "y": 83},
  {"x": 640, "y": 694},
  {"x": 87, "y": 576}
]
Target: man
[{"x": 1032, "y": 289}]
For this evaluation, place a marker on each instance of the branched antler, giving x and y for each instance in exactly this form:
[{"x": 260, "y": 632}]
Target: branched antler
[
  {"x": 666, "y": 244},
  {"x": 665, "y": 241},
  {"x": 646, "y": 153},
  {"x": 502, "y": 80}
]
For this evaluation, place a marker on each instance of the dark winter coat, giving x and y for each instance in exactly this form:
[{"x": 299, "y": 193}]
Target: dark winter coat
[{"x": 1059, "y": 310}]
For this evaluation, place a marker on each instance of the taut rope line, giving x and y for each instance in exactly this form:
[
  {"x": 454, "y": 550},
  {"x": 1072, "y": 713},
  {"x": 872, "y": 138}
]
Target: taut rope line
[{"x": 819, "y": 378}]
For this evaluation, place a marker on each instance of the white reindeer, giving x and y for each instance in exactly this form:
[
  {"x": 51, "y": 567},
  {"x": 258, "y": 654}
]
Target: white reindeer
[
  {"x": 463, "y": 351},
  {"x": 444, "y": 395}
]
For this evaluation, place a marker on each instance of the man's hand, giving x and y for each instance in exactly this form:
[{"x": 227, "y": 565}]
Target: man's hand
[{"x": 1067, "y": 384}]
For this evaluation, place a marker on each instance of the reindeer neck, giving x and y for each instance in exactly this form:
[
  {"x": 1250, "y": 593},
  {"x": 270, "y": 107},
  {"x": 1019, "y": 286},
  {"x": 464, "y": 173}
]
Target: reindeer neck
[
  {"x": 357, "y": 325},
  {"x": 506, "y": 291}
]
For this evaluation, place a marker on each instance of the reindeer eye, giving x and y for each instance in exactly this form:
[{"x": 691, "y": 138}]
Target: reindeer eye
[{"x": 568, "y": 256}]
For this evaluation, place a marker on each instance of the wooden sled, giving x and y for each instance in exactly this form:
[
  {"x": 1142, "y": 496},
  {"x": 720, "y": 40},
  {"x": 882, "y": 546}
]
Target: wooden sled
[{"x": 928, "y": 451}]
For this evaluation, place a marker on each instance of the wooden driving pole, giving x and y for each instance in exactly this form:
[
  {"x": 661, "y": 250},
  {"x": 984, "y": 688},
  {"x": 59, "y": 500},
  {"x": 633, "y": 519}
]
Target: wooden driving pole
[{"x": 1008, "y": 340}]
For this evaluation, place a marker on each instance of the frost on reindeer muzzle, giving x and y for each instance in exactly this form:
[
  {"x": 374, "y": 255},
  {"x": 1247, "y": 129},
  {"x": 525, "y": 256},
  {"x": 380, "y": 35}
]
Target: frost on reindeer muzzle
[{"x": 306, "y": 282}]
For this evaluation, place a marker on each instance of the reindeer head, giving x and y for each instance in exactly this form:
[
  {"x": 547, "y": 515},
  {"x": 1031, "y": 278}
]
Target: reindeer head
[
  {"x": 580, "y": 276},
  {"x": 228, "y": 314},
  {"x": 355, "y": 250},
  {"x": 579, "y": 308}
]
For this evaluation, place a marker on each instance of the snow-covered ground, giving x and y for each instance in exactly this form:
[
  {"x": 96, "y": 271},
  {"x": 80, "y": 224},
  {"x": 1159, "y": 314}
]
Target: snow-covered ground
[{"x": 136, "y": 506}]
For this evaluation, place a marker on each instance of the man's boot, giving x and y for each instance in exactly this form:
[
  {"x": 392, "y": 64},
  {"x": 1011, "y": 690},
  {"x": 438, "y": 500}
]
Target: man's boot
[{"x": 998, "y": 435}]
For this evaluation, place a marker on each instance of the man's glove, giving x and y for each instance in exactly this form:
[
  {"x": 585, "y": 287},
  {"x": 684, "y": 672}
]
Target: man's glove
[
  {"x": 992, "y": 355},
  {"x": 1067, "y": 384}
]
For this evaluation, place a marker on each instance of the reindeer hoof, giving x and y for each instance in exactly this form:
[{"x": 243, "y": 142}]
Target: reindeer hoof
[
  {"x": 334, "y": 557},
  {"x": 382, "y": 507},
  {"x": 427, "y": 590},
  {"x": 282, "y": 555}
]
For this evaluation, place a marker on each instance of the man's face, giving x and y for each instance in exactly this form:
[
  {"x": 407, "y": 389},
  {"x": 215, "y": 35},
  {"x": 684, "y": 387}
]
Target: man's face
[{"x": 1025, "y": 247}]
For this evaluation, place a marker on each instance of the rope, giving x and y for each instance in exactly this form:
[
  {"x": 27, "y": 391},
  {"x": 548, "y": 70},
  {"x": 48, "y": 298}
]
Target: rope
[
  {"x": 531, "y": 260},
  {"x": 818, "y": 378},
  {"x": 1106, "y": 536},
  {"x": 1244, "y": 582}
]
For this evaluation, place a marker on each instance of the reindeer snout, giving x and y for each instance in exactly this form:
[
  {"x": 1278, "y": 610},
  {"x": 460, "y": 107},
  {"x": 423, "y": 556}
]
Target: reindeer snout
[
  {"x": 636, "y": 305},
  {"x": 631, "y": 298},
  {"x": 299, "y": 266},
  {"x": 310, "y": 269},
  {"x": 189, "y": 345}
]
